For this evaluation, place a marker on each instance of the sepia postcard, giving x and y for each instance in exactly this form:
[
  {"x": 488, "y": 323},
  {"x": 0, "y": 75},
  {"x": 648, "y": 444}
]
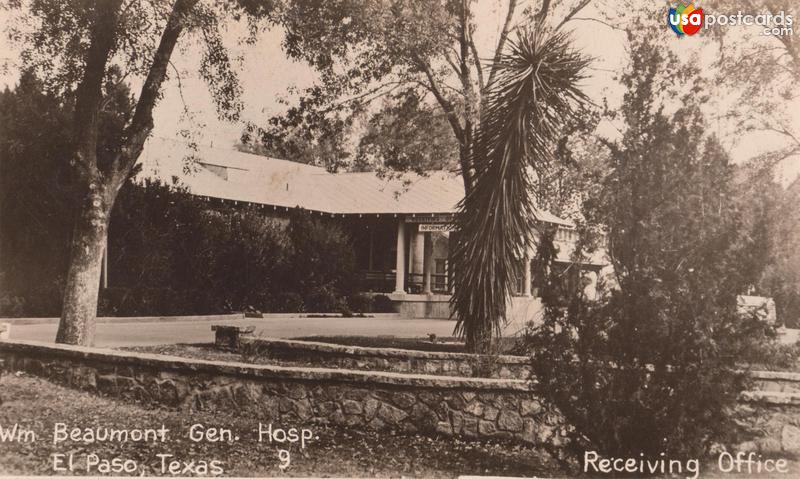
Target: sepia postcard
[{"x": 400, "y": 238}]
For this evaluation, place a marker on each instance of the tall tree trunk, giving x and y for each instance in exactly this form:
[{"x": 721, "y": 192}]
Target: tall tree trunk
[
  {"x": 81, "y": 291},
  {"x": 77, "y": 324},
  {"x": 89, "y": 233}
]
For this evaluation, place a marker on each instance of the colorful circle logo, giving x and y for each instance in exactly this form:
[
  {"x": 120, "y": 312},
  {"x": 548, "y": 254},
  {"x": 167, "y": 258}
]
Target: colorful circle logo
[{"x": 685, "y": 20}]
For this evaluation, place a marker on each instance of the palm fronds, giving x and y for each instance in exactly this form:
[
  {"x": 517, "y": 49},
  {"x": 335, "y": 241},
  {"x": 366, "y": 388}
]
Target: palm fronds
[{"x": 534, "y": 92}]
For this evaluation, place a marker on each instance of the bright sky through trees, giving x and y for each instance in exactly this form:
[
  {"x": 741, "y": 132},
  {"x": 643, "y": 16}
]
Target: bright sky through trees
[{"x": 268, "y": 76}]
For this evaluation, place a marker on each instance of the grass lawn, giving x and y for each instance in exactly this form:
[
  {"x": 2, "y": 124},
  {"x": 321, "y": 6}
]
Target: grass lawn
[
  {"x": 209, "y": 352},
  {"x": 37, "y": 404},
  {"x": 449, "y": 344}
]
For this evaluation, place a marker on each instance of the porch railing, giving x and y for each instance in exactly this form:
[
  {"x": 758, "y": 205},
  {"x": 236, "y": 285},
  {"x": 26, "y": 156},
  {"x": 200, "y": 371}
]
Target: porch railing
[{"x": 384, "y": 282}]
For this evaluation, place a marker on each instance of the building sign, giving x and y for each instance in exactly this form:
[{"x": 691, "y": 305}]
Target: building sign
[
  {"x": 446, "y": 218},
  {"x": 435, "y": 228}
]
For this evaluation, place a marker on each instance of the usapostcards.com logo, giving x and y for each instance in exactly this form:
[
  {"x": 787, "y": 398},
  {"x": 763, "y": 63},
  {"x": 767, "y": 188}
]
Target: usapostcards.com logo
[{"x": 688, "y": 20}]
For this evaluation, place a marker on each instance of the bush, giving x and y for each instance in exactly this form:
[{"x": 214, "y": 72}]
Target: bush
[
  {"x": 11, "y": 306},
  {"x": 774, "y": 356},
  {"x": 172, "y": 254},
  {"x": 322, "y": 258},
  {"x": 651, "y": 368},
  {"x": 121, "y": 301},
  {"x": 322, "y": 300},
  {"x": 288, "y": 302},
  {"x": 382, "y": 304},
  {"x": 361, "y": 303},
  {"x": 635, "y": 381},
  {"x": 345, "y": 311}
]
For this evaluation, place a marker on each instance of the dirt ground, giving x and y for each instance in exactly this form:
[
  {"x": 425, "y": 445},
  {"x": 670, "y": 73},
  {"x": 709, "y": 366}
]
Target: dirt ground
[{"x": 38, "y": 405}]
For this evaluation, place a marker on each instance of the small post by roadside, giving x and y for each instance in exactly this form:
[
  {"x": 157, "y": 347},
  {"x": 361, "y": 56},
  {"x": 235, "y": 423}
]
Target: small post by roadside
[
  {"x": 227, "y": 337},
  {"x": 5, "y": 331}
]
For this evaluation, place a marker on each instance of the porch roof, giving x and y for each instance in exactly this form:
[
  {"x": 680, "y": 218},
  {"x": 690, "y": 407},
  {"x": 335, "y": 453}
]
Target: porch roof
[{"x": 233, "y": 175}]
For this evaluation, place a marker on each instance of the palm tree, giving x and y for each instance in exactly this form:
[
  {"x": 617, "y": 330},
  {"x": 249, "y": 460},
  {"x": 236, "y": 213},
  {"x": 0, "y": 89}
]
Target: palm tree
[{"x": 534, "y": 92}]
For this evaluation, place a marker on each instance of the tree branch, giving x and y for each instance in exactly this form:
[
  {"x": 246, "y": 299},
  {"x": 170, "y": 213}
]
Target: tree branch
[
  {"x": 377, "y": 91},
  {"x": 89, "y": 95},
  {"x": 580, "y": 6},
  {"x": 478, "y": 67},
  {"x": 785, "y": 132},
  {"x": 789, "y": 45},
  {"x": 542, "y": 13},
  {"x": 468, "y": 93},
  {"x": 142, "y": 123},
  {"x": 443, "y": 102},
  {"x": 452, "y": 63},
  {"x": 588, "y": 19},
  {"x": 501, "y": 42}
]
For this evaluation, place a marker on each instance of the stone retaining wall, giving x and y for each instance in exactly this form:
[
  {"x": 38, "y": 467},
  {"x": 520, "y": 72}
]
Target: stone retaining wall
[
  {"x": 448, "y": 406},
  {"x": 426, "y": 404},
  {"x": 778, "y": 382},
  {"x": 770, "y": 414},
  {"x": 389, "y": 359}
]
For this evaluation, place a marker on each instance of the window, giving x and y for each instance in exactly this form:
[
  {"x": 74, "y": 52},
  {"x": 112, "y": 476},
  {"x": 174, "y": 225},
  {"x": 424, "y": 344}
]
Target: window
[{"x": 440, "y": 275}]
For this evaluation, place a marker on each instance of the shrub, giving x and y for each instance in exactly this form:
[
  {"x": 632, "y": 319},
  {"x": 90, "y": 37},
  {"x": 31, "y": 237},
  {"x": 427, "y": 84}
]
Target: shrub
[
  {"x": 360, "y": 303},
  {"x": 651, "y": 368},
  {"x": 382, "y": 304},
  {"x": 636, "y": 381},
  {"x": 322, "y": 259},
  {"x": 774, "y": 356},
  {"x": 193, "y": 259},
  {"x": 172, "y": 253},
  {"x": 288, "y": 302},
  {"x": 11, "y": 306},
  {"x": 344, "y": 309},
  {"x": 322, "y": 300},
  {"x": 120, "y": 301}
]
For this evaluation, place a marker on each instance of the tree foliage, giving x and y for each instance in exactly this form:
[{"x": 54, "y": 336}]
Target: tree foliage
[
  {"x": 580, "y": 163},
  {"x": 35, "y": 194},
  {"x": 38, "y": 186},
  {"x": 172, "y": 253},
  {"x": 654, "y": 366},
  {"x": 421, "y": 50},
  {"x": 407, "y": 134},
  {"x": 760, "y": 72},
  {"x": 80, "y": 46},
  {"x": 773, "y": 219}
]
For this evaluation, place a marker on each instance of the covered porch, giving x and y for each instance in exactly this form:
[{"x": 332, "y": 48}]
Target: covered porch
[
  {"x": 406, "y": 257},
  {"x": 403, "y": 254}
]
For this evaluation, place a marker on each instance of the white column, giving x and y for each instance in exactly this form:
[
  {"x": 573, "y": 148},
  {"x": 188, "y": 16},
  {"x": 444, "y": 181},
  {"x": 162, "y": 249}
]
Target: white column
[
  {"x": 410, "y": 248},
  {"x": 400, "y": 264},
  {"x": 427, "y": 262},
  {"x": 526, "y": 285},
  {"x": 419, "y": 251}
]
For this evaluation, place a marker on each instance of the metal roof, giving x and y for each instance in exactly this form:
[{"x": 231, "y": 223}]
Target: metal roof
[{"x": 238, "y": 176}]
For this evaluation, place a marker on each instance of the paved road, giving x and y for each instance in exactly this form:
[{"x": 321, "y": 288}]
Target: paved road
[
  {"x": 162, "y": 332},
  {"x": 170, "y": 332}
]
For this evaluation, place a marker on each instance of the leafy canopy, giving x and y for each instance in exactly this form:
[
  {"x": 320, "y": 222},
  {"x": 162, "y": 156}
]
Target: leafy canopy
[{"x": 653, "y": 367}]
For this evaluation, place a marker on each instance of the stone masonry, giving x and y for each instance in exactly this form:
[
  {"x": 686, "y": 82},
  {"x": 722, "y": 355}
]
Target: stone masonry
[
  {"x": 389, "y": 359},
  {"x": 770, "y": 414},
  {"x": 443, "y": 406},
  {"x": 434, "y": 405}
]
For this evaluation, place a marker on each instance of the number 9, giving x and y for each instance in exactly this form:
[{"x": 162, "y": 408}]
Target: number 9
[{"x": 285, "y": 459}]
